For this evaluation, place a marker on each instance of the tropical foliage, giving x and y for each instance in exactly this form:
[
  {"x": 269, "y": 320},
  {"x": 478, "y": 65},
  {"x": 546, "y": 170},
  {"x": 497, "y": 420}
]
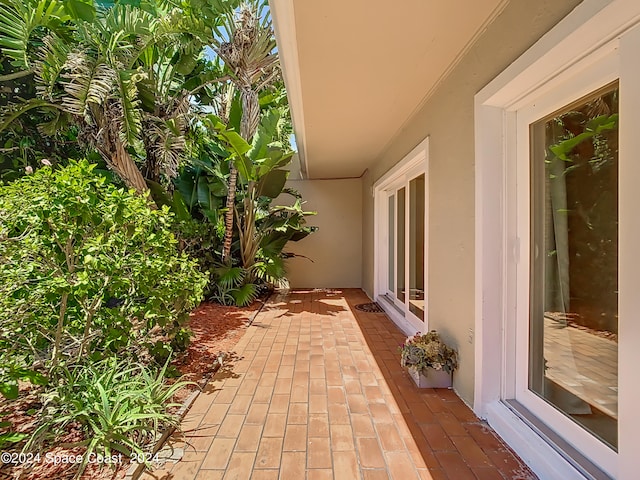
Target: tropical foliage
[
  {"x": 122, "y": 76},
  {"x": 246, "y": 45},
  {"x": 144, "y": 147},
  {"x": 90, "y": 274},
  {"x": 129, "y": 81},
  {"x": 120, "y": 406},
  {"x": 87, "y": 269}
]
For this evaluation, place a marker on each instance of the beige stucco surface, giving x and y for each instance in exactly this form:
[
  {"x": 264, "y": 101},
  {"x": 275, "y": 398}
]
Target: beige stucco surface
[
  {"x": 335, "y": 251},
  {"x": 448, "y": 119},
  {"x": 363, "y": 68}
]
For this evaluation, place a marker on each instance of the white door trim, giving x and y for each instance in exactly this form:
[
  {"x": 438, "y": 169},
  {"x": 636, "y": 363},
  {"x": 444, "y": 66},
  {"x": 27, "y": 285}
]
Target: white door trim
[
  {"x": 594, "y": 30},
  {"x": 603, "y": 69},
  {"x": 412, "y": 165}
]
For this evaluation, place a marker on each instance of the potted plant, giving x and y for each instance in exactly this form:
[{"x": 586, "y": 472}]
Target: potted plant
[{"x": 428, "y": 360}]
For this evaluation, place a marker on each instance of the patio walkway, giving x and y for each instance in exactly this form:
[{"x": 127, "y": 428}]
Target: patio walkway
[{"x": 317, "y": 392}]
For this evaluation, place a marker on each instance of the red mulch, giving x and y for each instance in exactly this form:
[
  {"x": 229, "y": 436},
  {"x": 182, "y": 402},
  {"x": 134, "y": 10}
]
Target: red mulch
[{"x": 216, "y": 330}]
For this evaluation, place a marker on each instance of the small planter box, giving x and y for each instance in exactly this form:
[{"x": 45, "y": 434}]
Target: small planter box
[{"x": 433, "y": 379}]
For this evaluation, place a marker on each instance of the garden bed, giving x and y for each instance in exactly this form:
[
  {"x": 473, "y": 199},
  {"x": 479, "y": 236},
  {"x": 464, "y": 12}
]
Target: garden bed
[{"x": 216, "y": 330}]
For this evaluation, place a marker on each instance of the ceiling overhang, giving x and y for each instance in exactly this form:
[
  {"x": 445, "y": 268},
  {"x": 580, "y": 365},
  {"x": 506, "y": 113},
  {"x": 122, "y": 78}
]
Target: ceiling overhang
[{"x": 357, "y": 71}]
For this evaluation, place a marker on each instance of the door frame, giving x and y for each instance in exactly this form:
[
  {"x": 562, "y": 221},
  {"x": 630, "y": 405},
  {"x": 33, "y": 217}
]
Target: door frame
[
  {"x": 595, "y": 30},
  {"x": 602, "y": 70},
  {"x": 411, "y": 166}
]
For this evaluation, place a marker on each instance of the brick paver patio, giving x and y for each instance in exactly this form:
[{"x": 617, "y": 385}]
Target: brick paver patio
[{"x": 316, "y": 392}]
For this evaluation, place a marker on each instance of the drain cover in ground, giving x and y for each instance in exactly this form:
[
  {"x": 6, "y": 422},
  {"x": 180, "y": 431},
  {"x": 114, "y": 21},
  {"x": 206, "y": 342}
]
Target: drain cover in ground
[{"x": 372, "y": 307}]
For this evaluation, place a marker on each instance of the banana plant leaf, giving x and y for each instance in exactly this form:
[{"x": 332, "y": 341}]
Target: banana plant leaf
[{"x": 272, "y": 184}]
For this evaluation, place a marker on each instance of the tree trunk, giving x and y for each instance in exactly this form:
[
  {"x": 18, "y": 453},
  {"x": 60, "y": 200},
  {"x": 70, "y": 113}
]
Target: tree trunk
[
  {"x": 228, "y": 218},
  {"x": 250, "y": 114},
  {"x": 248, "y": 127},
  {"x": 126, "y": 168},
  {"x": 119, "y": 160}
]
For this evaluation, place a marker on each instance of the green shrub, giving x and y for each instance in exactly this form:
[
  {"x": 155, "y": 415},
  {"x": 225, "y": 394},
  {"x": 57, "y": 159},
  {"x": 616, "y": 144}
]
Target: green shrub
[
  {"x": 121, "y": 408},
  {"x": 201, "y": 240},
  {"x": 87, "y": 269}
]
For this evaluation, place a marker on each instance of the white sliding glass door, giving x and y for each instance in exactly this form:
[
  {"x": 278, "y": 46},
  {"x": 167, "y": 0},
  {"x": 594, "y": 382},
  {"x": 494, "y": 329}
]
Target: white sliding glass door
[
  {"x": 568, "y": 314},
  {"x": 557, "y": 258},
  {"x": 401, "y": 258}
]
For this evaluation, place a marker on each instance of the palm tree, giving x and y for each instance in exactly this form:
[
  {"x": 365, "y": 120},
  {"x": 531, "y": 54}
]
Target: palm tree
[
  {"x": 82, "y": 72},
  {"x": 125, "y": 76},
  {"x": 246, "y": 45}
]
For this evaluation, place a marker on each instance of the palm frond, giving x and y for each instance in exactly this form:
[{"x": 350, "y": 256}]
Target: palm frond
[
  {"x": 271, "y": 269},
  {"x": 168, "y": 143},
  {"x": 86, "y": 81},
  {"x": 51, "y": 59},
  {"x": 164, "y": 75},
  {"x": 10, "y": 114},
  {"x": 247, "y": 45},
  {"x": 54, "y": 126},
  {"x": 129, "y": 20},
  {"x": 19, "y": 19},
  {"x": 129, "y": 103},
  {"x": 177, "y": 22},
  {"x": 228, "y": 277},
  {"x": 125, "y": 32},
  {"x": 245, "y": 295}
]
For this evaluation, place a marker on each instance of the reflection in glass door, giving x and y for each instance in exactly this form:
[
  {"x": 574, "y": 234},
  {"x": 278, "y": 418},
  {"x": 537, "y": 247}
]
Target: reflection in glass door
[
  {"x": 391, "y": 259},
  {"x": 573, "y": 321},
  {"x": 416, "y": 246},
  {"x": 400, "y": 245}
]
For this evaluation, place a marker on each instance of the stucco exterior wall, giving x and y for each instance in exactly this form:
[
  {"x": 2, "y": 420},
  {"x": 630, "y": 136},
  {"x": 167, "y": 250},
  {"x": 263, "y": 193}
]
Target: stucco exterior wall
[
  {"x": 447, "y": 117},
  {"x": 334, "y": 251}
]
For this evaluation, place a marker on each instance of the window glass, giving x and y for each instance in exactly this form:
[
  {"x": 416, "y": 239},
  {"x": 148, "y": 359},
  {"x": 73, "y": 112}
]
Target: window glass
[
  {"x": 400, "y": 238},
  {"x": 573, "y": 361},
  {"x": 392, "y": 247},
  {"x": 416, "y": 246}
]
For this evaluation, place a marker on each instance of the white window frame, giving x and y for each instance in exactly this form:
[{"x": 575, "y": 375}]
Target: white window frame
[
  {"x": 412, "y": 165},
  {"x": 602, "y": 70},
  {"x": 596, "y": 32}
]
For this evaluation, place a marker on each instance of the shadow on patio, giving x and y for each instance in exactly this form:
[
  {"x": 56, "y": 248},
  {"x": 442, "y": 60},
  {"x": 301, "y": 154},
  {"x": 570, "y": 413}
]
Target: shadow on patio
[
  {"x": 453, "y": 442},
  {"x": 316, "y": 391}
]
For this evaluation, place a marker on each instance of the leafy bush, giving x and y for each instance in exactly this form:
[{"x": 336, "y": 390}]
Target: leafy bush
[
  {"x": 201, "y": 240},
  {"x": 87, "y": 269},
  {"x": 120, "y": 407}
]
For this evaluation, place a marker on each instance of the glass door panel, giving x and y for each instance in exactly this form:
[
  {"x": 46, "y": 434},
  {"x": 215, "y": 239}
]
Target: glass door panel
[
  {"x": 391, "y": 266},
  {"x": 400, "y": 242},
  {"x": 573, "y": 322},
  {"x": 416, "y": 246},
  {"x": 404, "y": 256}
]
